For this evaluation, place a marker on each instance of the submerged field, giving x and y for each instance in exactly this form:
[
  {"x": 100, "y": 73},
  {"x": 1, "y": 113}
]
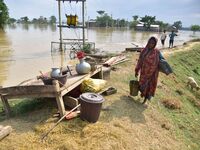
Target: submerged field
[{"x": 126, "y": 124}]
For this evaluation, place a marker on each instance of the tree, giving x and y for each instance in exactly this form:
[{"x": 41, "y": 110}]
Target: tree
[
  {"x": 104, "y": 20},
  {"x": 42, "y": 20},
  {"x": 135, "y": 21},
  {"x": 122, "y": 23},
  {"x": 52, "y": 20},
  {"x": 34, "y": 20},
  {"x": 101, "y": 12},
  {"x": 11, "y": 20},
  {"x": 24, "y": 19},
  {"x": 135, "y": 18},
  {"x": 148, "y": 21},
  {"x": 4, "y": 15},
  {"x": 178, "y": 24},
  {"x": 195, "y": 28},
  {"x": 162, "y": 25}
]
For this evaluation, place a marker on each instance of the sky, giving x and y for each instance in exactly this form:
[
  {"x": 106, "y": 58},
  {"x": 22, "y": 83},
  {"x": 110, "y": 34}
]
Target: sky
[{"x": 169, "y": 11}]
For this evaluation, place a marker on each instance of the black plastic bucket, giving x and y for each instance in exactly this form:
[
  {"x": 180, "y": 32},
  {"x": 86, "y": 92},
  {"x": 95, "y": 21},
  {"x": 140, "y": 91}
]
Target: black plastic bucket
[
  {"x": 134, "y": 87},
  {"x": 90, "y": 106}
]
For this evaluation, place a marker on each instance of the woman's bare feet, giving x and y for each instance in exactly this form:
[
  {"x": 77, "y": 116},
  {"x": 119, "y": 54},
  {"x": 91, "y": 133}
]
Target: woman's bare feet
[
  {"x": 145, "y": 100},
  {"x": 144, "y": 103}
]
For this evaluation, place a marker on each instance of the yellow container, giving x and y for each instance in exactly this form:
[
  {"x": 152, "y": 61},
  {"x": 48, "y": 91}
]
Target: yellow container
[{"x": 72, "y": 20}]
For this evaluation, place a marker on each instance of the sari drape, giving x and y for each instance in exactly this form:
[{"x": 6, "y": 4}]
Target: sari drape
[{"x": 147, "y": 65}]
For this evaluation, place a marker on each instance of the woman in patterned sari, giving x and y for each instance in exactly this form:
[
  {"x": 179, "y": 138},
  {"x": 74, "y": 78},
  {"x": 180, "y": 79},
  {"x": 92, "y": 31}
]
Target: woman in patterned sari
[{"x": 147, "y": 66}]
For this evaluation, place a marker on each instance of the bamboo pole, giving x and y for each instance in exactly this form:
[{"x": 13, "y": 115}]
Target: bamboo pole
[
  {"x": 83, "y": 20},
  {"x": 59, "y": 121},
  {"x": 60, "y": 23}
]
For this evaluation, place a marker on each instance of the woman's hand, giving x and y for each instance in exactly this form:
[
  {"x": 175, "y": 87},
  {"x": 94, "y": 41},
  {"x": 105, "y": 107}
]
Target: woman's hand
[{"x": 136, "y": 74}]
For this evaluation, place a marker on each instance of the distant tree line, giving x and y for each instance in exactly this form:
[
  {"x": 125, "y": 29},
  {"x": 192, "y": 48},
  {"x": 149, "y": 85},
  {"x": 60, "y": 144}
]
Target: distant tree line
[
  {"x": 105, "y": 20},
  {"x": 26, "y": 20},
  {"x": 195, "y": 28},
  {"x": 102, "y": 20},
  {"x": 151, "y": 20}
]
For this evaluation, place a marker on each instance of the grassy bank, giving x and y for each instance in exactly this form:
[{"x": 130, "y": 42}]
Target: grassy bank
[
  {"x": 186, "y": 120},
  {"x": 126, "y": 124}
]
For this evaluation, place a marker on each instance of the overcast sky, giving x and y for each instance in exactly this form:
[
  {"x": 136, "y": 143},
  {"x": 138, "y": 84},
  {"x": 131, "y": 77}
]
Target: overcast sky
[{"x": 187, "y": 11}]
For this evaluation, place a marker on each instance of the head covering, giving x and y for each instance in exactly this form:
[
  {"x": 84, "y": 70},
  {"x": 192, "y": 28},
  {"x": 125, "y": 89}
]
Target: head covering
[{"x": 152, "y": 38}]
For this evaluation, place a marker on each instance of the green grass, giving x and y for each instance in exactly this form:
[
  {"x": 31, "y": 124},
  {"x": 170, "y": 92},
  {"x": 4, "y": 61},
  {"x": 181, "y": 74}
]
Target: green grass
[
  {"x": 186, "y": 121},
  {"x": 20, "y": 107}
]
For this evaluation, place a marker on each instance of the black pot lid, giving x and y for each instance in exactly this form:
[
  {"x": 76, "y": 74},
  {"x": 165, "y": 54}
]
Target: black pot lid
[{"x": 91, "y": 98}]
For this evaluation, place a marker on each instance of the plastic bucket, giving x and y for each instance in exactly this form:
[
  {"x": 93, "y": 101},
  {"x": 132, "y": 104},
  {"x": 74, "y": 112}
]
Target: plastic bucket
[
  {"x": 134, "y": 87},
  {"x": 90, "y": 106}
]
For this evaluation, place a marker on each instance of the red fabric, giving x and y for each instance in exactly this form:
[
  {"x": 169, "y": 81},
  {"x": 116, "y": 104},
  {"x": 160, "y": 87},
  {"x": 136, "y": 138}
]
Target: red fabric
[{"x": 147, "y": 65}]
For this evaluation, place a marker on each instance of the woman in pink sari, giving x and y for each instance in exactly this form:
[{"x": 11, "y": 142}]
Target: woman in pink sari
[{"x": 147, "y": 66}]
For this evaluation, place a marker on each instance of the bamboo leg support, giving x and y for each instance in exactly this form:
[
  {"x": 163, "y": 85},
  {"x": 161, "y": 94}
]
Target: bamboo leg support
[
  {"x": 6, "y": 106},
  {"x": 59, "y": 98},
  {"x": 101, "y": 73}
]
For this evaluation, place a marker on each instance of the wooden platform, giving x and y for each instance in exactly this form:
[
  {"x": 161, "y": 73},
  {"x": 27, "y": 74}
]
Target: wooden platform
[
  {"x": 34, "y": 88},
  {"x": 134, "y": 49}
]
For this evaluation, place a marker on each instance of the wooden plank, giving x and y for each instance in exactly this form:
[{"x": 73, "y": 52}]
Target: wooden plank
[
  {"x": 100, "y": 56},
  {"x": 66, "y": 26},
  {"x": 29, "y": 82},
  {"x": 75, "y": 39},
  {"x": 120, "y": 62},
  {"x": 65, "y": 90},
  {"x": 27, "y": 90},
  {"x": 59, "y": 98},
  {"x": 134, "y": 49},
  {"x": 37, "y": 95},
  {"x": 6, "y": 106},
  {"x": 113, "y": 60},
  {"x": 1, "y": 127},
  {"x": 5, "y": 131}
]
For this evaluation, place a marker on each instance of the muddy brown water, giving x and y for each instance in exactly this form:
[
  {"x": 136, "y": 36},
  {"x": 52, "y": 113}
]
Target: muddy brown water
[{"x": 26, "y": 49}]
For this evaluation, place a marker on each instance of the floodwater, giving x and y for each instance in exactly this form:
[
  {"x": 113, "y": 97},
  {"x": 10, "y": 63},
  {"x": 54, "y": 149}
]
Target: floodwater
[{"x": 26, "y": 49}]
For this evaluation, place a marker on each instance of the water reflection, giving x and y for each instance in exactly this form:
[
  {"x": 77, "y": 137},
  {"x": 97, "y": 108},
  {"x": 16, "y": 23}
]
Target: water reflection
[
  {"x": 61, "y": 58},
  {"x": 12, "y": 26},
  {"x": 102, "y": 34},
  {"x": 25, "y": 27},
  {"x": 41, "y": 27},
  {"x": 53, "y": 27},
  {"x": 133, "y": 35},
  {"x": 5, "y": 56}
]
